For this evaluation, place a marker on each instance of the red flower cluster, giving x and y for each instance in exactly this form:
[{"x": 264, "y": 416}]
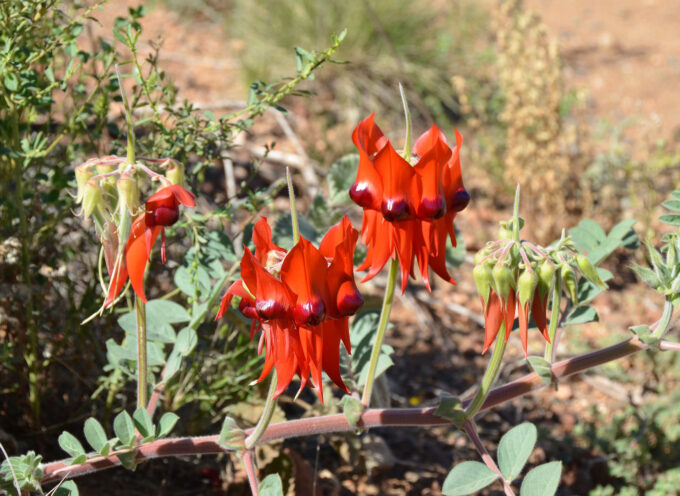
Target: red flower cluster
[
  {"x": 162, "y": 210},
  {"x": 408, "y": 210},
  {"x": 499, "y": 310},
  {"x": 301, "y": 300}
]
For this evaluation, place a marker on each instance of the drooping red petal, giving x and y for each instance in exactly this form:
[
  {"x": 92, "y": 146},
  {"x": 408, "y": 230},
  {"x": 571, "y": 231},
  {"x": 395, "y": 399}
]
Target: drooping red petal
[
  {"x": 523, "y": 316},
  {"x": 398, "y": 178},
  {"x": 236, "y": 289},
  {"x": 538, "y": 312},
  {"x": 137, "y": 252},
  {"x": 509, "y": 313},
  {"x": 431, "y": 202},
  {"x": 378, "y": 235},
  {"x": 116, "y": 282},
  {"x": 304, "y": 271},
  {"x": 262, "y": 238},
  {"x": 493, "y": 318},
  {"x": 367, "y": 189},
  {"x": 333, "y": 331},
  {"x": 273, "y": 300}
]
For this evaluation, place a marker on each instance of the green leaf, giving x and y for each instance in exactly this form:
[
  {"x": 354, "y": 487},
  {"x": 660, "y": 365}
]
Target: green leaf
[
  {"x": 67, "y": 488},
  {"x": 186, "y": 341},
  {"x": 70, "y": 444},
  {"x": 671, "y": 219},
  {"x": 166, "y": 424},
  {"x": 352, "y": 409},
  {"x": 591, "y": 238},
  {"x": 450, "y": 407},
  {"x": 196, "y": 285},
  {"x": 676, "y": 194},
  {"x": 160, "y": 315},
  {"x": 581, "y": 315},
  {"x": 647, "y": 275},
  {"x": 362, "y": 335},
  {"x": 340, "y": 179},
  {"x": 468, "y": 478},
  {"x": 143, "y": 422},
  {"x": 232, "y": 437},
  {"x": 94, "y": 434},
  {"x": 541, "y": 367},
  {"x": 542, "y": 480},
  {"x": 124, "y": 428},
  {"x": 514, "y": 449},
  {"x": 172, "y": 365},
  {"x": 128, "y": 460},
  {"x": 271, "y": 486},
  {"x": 672, "y": 205},
  {"x": 11, "y": 81}
]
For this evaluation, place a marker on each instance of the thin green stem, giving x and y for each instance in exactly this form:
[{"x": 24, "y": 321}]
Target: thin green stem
[
  {"x": 489, "y": 376},
  {"x": 407, "y": 117},
  {"x": 550, "y": 347},
  {"x": 380, "y": 335},
  {"x": 128, "y": 119},
  {"x": 266, "y": 416},
  {"x": 293, "y": 210},
  {"x": 142, "y": 386},
  {"x": 515, "y": 217}
]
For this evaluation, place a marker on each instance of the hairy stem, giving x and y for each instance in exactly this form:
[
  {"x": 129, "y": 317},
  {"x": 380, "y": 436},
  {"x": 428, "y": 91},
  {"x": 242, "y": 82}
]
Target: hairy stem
[
  {"x": 550, "y": 347},
  {"x": 249, "y": 462},
  {"x": 142, "y": 387},
  {"x": 489, "y": 376},
  {"x": 265, "y": 416}
]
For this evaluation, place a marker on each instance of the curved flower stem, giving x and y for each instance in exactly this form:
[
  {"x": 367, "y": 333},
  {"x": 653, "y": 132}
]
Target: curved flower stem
[
  {"x": 407, "y": 117},
  {"x": 551, "y": 347},
  {"x": 293, "y": 209},
  {"x": 270, "y": 401},
  {"x": 489, "y": 376},
  {"x": 142, "y": 387},
  {"x": 265, "y": 416},
  {"x": 128, "y": 119},
  {"x": 380, "y": 334},
  {"x": 249, "y": 462},
  {"x": 665, "y": 320},
  {"x": 471, "y": 431},
  {"x": 515, "y": 217}
]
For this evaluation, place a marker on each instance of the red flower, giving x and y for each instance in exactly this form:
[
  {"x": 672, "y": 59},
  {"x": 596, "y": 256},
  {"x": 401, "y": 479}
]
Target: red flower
[
  {"x": 408, "y": 210},
  {"x": 162, "y": 210},
  {"x": 499, "y": 310},
  {"x": 301, "y": 300}
]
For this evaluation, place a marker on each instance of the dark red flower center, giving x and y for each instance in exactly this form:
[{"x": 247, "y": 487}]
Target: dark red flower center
[
  {"x": 348, "y": 300},
  {"x": 309, "y": 313},
  {"x": 394, "y": 209},
  {"x": 360, "y": 193},
  {"x": 432, "y": 208},
  {"x": 164, "y": 216},
  {"x": 460, "y": 200},
  {"x": 247, "y": 309},
  {"x": 270, "y": 309}
]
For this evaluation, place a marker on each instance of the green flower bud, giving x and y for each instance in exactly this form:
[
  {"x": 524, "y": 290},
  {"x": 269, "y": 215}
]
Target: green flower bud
[
  {"x": 483, "y": 280},
  {"x": 526, "y": 285},
  {"x": 175, "y": 173},
  {"x": 588, "y": 270},
  {"x": 83, "y": 175},
  {"x": 546, "y": 274},
  {"x": 504, "y": 280},
  {"x": 505, "y": 230},
  {"x": 128, "y": 193},
  {"x": 92, "y": 198},
  {"x": 569, "y": 277}
]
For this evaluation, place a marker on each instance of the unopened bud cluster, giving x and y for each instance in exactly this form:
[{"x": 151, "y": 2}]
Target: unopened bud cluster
[{"x": 516, "y": 278}]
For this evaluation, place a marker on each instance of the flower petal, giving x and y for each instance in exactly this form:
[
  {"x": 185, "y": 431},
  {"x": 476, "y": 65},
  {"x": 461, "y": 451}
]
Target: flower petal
[
  {"x": 262, "y": 237},
  {"x": 398, "y": 179},
  {"x": 137, "y": 252}
]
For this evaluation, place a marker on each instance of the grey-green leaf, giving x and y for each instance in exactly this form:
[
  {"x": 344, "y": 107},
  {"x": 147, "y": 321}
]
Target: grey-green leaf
[
  {"x": 124, "y": 428},
  {"x": 542, "y": 480},
  {"x": 67, "y": 488},
  {"x": 232, "y": 437},
  {"x": 70, "y": 444},
  {"x": 468, "y": 478},
  {"x": 166, "y": 424},
  {"x": 514, "y": 449},
  {"x": 351, "y": 408},
  {"x": 581, "y": 315},
  {"x": 271, "y": 486},
  {"x": 541, "y": 367},
  {"x": 94, "y": 434},
  {"x": 143, "y": 422},
  {"x": 186, "y": 341},
  {"x": 671, "y": 219}
]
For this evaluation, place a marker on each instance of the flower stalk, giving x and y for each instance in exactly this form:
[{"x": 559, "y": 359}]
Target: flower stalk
[{"x": 489, "y": 375}]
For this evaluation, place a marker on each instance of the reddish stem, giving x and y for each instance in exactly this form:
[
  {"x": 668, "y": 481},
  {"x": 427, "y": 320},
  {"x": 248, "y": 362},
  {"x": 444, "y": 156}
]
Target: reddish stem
[
  {"x": 55, "y": 471},
  {"x": 249, "y": 462},
  {"x": 471, "y": 431}
]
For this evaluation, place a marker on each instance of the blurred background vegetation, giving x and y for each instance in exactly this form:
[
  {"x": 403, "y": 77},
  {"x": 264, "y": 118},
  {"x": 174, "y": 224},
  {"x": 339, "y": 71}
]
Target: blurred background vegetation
[{"x": 492, "y": 69}]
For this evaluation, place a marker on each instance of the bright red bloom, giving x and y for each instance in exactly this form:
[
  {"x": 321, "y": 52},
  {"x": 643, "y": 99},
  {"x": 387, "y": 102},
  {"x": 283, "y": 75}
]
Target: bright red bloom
[
  {"x": 162, "y": 210},
  {"x": 498, "y": 311},
  {"x": 408, "y": 210},
  {"x": 304, "y": 312}
]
